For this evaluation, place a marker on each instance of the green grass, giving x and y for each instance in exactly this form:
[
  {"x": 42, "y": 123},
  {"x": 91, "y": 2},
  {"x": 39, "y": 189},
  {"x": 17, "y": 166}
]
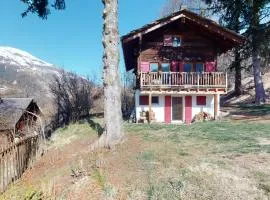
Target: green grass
[
  {"x": 72, "y": 132},
  {"x": 206, "y": 160},
  {"x": 226, "y": 135},
  {"x": 255, "y": 110}
]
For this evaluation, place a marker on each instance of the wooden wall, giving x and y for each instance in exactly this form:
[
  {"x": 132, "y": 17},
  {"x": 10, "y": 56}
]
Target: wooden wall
[{"x": 196, "y": 46}]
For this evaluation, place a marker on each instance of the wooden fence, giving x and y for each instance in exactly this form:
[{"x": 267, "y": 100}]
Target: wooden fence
[{"x": 15, "y": 159}]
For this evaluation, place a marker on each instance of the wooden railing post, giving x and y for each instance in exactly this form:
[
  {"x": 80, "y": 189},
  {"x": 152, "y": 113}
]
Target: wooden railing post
[{"x": 198, "y": 80}]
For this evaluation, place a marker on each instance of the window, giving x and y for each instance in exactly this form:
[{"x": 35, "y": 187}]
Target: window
[
  {"x": 199, "y": 67},
  {"x": 154, "y": 67},
  {"x": 168, "y": 40},
  {"x": 187, "y": 67},
  {"x": 144, "y": 100},
  {"x": 172, "y": 41},
  {"x": 201, "y": 100},
  {"x": 165, "y": 67},
  {"x": 155, "y": 100},
  {"x": 176, "y": 41}
]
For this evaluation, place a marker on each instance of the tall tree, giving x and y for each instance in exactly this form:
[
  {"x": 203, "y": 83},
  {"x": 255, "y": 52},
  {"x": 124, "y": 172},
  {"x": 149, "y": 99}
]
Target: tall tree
[
  {"x": 250, "y": 14},
  {"x": 113, "y": 131},
  {"x": 255, "y": 11},
  {"x": 230, "y": 16}
]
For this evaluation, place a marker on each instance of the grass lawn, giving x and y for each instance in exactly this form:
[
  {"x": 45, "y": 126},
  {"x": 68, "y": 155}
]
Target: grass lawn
[{"x": 208, "y": 160}]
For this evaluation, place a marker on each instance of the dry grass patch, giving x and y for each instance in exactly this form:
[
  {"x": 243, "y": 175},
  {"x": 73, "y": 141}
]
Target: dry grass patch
[{"x": 211, "y": 160}]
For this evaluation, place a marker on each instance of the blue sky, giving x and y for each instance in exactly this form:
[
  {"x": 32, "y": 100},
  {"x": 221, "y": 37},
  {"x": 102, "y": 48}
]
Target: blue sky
[{"x": 72, "y": 38}]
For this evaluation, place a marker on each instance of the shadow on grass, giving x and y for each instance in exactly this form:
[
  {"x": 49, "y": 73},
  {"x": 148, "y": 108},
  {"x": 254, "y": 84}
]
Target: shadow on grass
[
  {"x": 252, "y": 110},
  {"x": 96, "y": 126}
]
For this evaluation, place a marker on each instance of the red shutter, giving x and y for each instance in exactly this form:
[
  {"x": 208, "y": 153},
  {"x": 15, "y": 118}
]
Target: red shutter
[
  {"x": 144, "y": 100},
  {"x": 181, "y": 66},
  {"x": 188, "y": 109},
  {"x": 145, "y": 66},
  {"x": 174, "y": 66},
  {"x": 168, "y": 109},
  {"x": 201, "y": 100},
  {"x": 210, "y": 66}
]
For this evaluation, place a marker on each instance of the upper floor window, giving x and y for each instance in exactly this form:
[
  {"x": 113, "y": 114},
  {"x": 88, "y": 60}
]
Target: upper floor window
[
  {"x": 188, "y": 67},
  {"x": 154, "y": 67},
  {"x": 176, "y": 41},
  {"x": 168, "y": 40},
  {"x": 165, "y": 67},
  {"x": 172, "y": 40},
  {"x": 199, "y": 67}
]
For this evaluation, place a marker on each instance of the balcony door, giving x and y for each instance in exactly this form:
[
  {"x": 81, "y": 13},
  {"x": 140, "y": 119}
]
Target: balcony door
[{"x": 177, "y": 108}]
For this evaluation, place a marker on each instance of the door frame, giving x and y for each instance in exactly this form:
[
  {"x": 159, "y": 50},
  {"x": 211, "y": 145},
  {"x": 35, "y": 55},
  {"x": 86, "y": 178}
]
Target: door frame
[{"x": 183, "y": 109}]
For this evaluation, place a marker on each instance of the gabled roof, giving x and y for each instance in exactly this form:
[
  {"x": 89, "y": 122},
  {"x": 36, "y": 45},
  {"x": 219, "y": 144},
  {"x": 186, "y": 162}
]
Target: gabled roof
[
  {"x": 227, "y": 38},
  {"x": 184, "y": 13},
  {"x": 11, "y": 110}
]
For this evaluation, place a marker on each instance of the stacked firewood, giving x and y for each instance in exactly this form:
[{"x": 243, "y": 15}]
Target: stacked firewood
[{"x": 202, "y": 116}]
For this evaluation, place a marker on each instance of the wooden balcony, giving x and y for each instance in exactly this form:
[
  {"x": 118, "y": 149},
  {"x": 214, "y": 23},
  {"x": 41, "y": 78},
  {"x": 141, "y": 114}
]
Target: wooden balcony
[{"x": 183, "y": 80}]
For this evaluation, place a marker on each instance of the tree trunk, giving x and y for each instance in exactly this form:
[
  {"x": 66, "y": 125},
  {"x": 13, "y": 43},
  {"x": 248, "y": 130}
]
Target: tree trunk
[
  {"x": 113, "y": 131},
  {"x": 238, "y": 75},
  {"x": 256, "y": 61},
  {"x": 259, "y": 89}
]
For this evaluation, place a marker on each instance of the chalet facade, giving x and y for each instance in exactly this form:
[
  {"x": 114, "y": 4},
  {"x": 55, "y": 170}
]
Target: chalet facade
[
  {"x": 175, "y": 63},
  {"x": 17, "y": 117}
]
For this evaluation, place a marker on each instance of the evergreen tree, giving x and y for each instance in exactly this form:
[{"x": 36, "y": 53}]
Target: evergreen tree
[{"x": 247, "y": 15}]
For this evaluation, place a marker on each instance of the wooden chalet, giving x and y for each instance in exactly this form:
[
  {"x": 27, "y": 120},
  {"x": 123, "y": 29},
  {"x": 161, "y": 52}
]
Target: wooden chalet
[
  {"x": 17, "y": 117},
  {"x": 175, "y": 63}
]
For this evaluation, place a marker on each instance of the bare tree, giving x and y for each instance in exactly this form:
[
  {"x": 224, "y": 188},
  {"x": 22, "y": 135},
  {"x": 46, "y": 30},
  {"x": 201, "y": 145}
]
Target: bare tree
[
  {"x": 72, "y": 96},
  {"x": 128, "y": 104},
  {"x": 113, "y": 131}
]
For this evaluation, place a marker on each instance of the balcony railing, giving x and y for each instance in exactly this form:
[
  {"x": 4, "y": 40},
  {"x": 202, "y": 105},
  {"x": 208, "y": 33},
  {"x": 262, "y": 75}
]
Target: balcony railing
[{"x": 183, "y": 79}]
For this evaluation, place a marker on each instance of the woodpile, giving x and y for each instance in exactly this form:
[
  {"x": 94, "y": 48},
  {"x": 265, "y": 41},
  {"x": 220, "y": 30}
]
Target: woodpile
[
  {"x": 202, "y": 116},
  {"x": 147, "y": 117}
]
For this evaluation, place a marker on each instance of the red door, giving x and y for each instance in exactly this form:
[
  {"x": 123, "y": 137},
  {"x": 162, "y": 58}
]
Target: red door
[
  {"x": 188, "y": 109},
  {"x": 168, "y": 105}
]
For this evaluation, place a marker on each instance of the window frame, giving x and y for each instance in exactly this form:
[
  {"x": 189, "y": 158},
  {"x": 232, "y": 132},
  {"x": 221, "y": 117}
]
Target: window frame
[
  {"x": 143, "y": 102},
  {"x": 192, "y": 66},
  {"x": 180, "y": 38},
  {"x": 200, "y": 99},
  {"x": 195, "y": 67},
  {"x": 150, "y": 66},
  {"x": 157, "y": 100},
  {"x": 169, "y": 67}
]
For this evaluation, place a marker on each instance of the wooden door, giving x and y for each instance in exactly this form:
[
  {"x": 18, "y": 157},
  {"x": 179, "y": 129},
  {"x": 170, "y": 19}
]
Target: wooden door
[
  {"x": 188, "y": 109},
  {"x": 167, "y": 109},
  {"x": 177, "y": 108}
]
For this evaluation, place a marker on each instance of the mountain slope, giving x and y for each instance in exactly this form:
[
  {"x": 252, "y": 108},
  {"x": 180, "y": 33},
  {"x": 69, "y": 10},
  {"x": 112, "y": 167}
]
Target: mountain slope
[{"x": 23, "y": 75}]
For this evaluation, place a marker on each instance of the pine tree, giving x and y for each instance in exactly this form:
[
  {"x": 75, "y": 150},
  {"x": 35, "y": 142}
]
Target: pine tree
[{"x": 247, "y": 15}]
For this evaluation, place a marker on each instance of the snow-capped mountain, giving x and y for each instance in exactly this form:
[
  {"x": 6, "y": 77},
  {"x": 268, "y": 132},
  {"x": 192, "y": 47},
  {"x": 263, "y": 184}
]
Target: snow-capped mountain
[{"x": 24, "y": 75}]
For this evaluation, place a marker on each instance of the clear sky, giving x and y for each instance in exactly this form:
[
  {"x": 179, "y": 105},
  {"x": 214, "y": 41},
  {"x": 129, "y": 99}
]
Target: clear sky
[{"x": 71, "y": 38}]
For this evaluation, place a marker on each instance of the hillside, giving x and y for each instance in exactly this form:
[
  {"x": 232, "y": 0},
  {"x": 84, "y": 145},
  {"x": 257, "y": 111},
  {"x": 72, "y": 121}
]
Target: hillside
[
  {"x": 249, "y": 91},
  {"x": 23, "y": 75},
  {"x": 223, "y": 160}
]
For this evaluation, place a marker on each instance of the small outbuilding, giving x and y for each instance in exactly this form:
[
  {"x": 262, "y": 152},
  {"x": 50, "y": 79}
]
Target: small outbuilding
[{"x": 18, "y": 118}]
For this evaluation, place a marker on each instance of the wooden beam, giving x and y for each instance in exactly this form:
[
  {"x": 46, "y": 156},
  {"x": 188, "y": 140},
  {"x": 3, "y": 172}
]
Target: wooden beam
[
  {"x": 150, "y": 107},
  {"x": 215, "y": 106}
]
